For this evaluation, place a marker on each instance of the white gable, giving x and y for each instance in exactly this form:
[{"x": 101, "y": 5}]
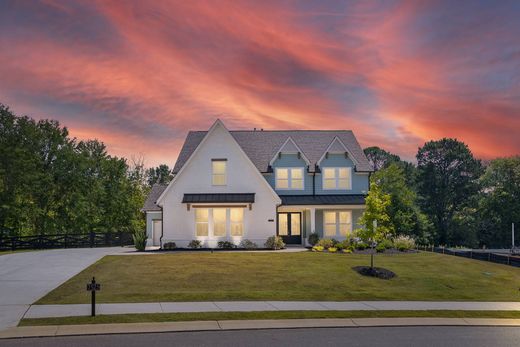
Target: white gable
[{"x": 242, "y": 175}]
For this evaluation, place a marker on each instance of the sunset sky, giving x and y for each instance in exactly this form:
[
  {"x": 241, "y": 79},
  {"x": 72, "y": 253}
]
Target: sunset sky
[{"x": 139, "y": 75}]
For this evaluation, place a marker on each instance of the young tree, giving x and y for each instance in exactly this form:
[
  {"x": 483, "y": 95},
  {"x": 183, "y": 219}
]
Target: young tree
[
  {"x": 377, "y": 205},
  {"x": 447, "y": 180}
]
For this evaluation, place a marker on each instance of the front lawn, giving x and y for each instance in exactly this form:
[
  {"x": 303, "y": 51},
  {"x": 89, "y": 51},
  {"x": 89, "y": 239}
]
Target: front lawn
[{"x": 202, "y": 276}]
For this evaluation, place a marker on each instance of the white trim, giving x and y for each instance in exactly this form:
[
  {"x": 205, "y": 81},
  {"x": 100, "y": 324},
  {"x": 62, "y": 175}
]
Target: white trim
[
  {"x": 295, "y": 145},
  {"x": 289, "y": 177},
  {"x": 336, "y": 178},
  {"x": 218, "y": 122},
  {"x": 342, "y": 144},
  {"x": 337, "y": 223}
]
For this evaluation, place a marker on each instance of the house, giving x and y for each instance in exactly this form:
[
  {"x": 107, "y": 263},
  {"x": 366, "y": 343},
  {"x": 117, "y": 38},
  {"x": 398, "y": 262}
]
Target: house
[{"x": 236, "y": 185}]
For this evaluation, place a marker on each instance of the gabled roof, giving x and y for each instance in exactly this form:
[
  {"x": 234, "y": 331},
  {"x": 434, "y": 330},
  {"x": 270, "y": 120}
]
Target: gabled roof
[
  {"x": 260, "y": 146},
  {"x": 155, "y": 192}
]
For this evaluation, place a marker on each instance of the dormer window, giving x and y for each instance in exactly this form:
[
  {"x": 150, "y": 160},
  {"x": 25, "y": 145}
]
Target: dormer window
[
  {"x": 289, "y": 178},
  {"x": 218, "y": 172},
  {"x": 337, "y": 178}
]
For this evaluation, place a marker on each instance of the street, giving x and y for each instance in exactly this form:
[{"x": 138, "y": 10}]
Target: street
[{"x": 366, "y": 336}]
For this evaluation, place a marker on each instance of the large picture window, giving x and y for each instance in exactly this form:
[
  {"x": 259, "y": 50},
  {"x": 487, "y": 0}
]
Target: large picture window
[
  {"x": 337, "y": 223},
  {"x": 337, "y": 178},
  {"x": 289, "y": 178},
  {"x": 219, "y": 222},
  {"x": 218, "y": 173}
]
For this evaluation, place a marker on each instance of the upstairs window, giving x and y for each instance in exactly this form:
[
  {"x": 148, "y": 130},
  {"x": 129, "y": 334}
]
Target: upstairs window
[
  {"x": 218, "y": 173},
  {"x": 289, "y": 178},
  {"x": 337, "y": 178}
]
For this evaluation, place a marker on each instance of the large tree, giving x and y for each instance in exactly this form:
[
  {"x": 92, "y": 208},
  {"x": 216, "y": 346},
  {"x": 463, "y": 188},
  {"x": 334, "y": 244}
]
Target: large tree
[
  {"x": 447, "y": 182},
  {"x": 159, "y": 175},
  {"x": 379, "y": 158},
  {"x": 403, "y": 210},
  {"x": 499, "y": 203},
  {"x": 50, "y": 183}
]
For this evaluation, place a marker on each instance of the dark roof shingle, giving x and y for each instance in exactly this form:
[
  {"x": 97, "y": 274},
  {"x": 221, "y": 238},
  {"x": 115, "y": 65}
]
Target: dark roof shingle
[
  {"x": 155, "y": 192},
  {"x": 219, "y": 198},
  {"x": 262, "y": 146},
  {"x": 323, "y": 199}
]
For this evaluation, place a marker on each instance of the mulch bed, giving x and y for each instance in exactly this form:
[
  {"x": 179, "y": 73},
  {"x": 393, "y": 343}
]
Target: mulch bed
[{"x": 378, "y": 272}]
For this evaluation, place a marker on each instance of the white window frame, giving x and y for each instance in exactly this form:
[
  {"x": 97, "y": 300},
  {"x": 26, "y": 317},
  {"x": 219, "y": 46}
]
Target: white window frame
[
  {"x": 289, "y": 178},
  {"x": 337, "y": 223},
  {"x": 211, "y": 223},
  {"x": 213, "y": 174},
  {"x": 336, "y": 177}
]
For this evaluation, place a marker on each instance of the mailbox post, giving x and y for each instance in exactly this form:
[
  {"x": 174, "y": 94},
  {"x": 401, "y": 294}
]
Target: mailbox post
[{"x": 93, "y": 287}]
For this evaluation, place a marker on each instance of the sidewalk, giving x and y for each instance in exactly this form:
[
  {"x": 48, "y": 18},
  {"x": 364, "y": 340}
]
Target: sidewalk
[
  {"x": 97, "y": 329},
  {"x": 48, "y": 311}
]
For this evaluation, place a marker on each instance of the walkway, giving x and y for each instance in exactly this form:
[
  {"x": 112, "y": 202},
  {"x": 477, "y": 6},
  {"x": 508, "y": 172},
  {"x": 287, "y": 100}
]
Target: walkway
[
  {"x": 46, "y": 311},
  {"x": 25, "y": 277}
]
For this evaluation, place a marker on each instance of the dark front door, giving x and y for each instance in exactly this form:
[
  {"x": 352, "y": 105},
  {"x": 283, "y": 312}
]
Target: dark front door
[{"x": 290, "y": 227}]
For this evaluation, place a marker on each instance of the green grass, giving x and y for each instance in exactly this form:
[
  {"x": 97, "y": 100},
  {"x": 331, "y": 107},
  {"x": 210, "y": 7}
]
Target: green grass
[
  {"x": 288, "y": 276},
  {"x": 199, "y": 316}
]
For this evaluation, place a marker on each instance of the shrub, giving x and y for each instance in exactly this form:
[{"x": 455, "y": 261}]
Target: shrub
[
  {"x": 360, "y": 245},
  {"x": 347, "y": 250},
  {"x": 274, "y": 242},
  {"x": 343, "y": 244},
  {"x": 334, "y": 242},
  {"x": 332, "y": 249},
  {"x": 380, "y": 248},
  {"x": 325, "y": 243},
  {"x": 169, "y": 245},
  {"x": 404, "y": 243},
  {"x": 313, "y": 239},
  {"x": 317, "y": 249},
  {"x": 226, "y": 245},
  {"x": 195, "y": 244},
  {"x": 139, "y": 237},
  {"x": 386, "y": 243},
  {"x": 248, "y": 244}
]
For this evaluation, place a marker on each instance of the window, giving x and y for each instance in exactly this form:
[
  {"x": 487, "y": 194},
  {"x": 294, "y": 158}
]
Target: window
[
  {"x": 337, "y": 223},
  {"x": 218, "y": 167},
  {"x": 289, "y": 178},
  {"x": 237, "y": 221},
  {"x": 219, "y": 222},
  {"x": 337, "y": 178},
  {"x": 201, "y": 222}
]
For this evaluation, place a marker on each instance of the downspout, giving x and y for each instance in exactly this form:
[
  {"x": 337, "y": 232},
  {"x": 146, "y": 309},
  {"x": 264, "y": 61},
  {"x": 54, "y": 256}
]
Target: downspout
[{"x": 162, "y": 227}]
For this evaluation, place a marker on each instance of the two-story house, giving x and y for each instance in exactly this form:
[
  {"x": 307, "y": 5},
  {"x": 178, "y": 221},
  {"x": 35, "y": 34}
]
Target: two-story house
[{"x": 236, "y": 185}]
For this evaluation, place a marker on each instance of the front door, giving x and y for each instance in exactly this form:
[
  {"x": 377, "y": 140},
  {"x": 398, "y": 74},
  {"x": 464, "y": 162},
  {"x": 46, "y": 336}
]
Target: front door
[{"x": 289, "y": 227}]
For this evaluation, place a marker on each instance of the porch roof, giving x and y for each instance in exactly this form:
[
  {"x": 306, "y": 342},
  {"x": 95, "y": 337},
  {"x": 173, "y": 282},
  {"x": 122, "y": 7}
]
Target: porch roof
[
  {"x": 219, "y": 198},
  {"x": 323, "y": 199}
]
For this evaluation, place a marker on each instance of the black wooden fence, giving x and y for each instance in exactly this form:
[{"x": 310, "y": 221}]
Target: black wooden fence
[
  {"x": 92, "y": 239},
  {"x": 506, "y": 259}
]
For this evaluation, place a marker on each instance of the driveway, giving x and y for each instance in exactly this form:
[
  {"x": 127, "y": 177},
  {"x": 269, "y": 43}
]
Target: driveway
[{"x": 26, "y": 277}]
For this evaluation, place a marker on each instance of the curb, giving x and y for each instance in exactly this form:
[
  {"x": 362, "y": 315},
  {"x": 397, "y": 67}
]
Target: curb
[{"x": 222, "y": 325}]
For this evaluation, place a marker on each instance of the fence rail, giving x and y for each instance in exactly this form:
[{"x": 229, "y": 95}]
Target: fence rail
[
  {"x": 14, "y": 243},
  {"x": 506, "y": 259}
]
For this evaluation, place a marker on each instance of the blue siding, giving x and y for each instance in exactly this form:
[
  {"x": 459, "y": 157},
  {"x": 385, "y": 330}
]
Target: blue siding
[
  {"x": 291, "y": 160},
  {"x": 359, "y": 181}
]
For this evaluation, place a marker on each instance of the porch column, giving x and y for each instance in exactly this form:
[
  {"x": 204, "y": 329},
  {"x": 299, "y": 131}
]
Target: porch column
[{"x": 313, "y": 219}]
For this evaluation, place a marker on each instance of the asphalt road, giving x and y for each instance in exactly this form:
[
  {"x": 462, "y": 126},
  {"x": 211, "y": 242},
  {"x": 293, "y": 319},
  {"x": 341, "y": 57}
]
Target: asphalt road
[{"x": 374, "y": 336}]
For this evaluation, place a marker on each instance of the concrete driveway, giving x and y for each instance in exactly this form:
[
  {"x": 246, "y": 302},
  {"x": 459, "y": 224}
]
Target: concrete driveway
[{"x": 26, "y": 277}]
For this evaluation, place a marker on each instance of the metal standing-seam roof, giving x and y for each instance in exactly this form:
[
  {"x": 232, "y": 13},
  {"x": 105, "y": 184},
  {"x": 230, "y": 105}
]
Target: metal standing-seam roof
[
  {"x": 219, "y": 198},
  {"x": 261, "y": 146},
  {"x": 323, "y": 199}
]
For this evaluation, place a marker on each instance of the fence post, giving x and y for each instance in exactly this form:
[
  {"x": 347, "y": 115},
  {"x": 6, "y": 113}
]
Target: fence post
[
  {"x": 471, "y": 254},
  {"x": 13, "y": 243},
  {"x": 508, "y": 260},
  {"x": 91, "y": 239},
  {"x": 489, "y": 256},
  {"x": 120, "y": 234}
]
